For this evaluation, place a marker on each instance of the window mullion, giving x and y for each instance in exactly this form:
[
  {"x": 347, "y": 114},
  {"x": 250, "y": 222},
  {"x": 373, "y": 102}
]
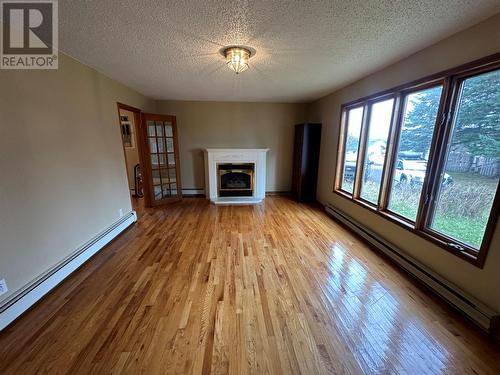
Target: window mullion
[{"x": 390, "y": 153}]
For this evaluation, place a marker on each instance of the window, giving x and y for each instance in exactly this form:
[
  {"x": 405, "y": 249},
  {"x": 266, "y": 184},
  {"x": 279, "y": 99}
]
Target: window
[
  {"x": 353, "y": 131},
  {"x": 427, "y": 156},
  {"x": 415, "y": 136},
  {"x": 375, "y": 149},
  {"x": 469, "y": 182}
]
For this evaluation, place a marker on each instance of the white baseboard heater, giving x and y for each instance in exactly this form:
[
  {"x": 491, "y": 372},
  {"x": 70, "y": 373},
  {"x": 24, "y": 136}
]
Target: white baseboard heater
[
  {"x": 23, "y": 299},
  {"x": 479, "y": 313}
]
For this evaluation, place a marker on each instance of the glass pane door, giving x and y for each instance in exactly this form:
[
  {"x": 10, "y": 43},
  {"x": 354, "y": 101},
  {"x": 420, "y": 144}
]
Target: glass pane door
[{"x": 162, "y": 150}]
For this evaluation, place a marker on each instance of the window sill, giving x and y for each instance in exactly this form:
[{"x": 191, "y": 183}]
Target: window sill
[{"x": 469, "y": 255}]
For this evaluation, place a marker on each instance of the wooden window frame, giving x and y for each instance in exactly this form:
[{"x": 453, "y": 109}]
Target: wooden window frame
[
  {"x": 451, "y": 81},
  {"x": 362, "y": 152},
  {"x": 404, "y": 93},
  {"x": 342, "y": 145}
]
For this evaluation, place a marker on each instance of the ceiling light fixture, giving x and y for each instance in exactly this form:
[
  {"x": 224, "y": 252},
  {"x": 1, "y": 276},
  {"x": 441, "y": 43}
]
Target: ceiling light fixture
[{"x": 237, "y": 58}]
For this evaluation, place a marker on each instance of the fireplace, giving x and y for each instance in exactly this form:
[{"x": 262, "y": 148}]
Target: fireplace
[
  {"x": 235, "y": 175},
  {"x": 235, "y": 179}
]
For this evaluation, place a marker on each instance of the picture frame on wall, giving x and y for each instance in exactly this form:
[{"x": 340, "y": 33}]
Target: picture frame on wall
[{"x": 127, "y": 131}]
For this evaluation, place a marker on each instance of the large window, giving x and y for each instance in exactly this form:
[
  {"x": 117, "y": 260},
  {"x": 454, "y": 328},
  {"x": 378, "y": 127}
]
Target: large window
[{"x": 427, "y": 156}]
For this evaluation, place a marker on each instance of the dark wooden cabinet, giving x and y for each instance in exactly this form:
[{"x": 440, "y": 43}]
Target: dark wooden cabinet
[{"x": 305, "y": 162}]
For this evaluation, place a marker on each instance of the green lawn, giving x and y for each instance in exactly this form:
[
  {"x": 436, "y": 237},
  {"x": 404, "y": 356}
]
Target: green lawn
[
  {"x": 463, "y": 228},
  {"x": 464, "y": 207},
  {"x": 462, "y": 211}
]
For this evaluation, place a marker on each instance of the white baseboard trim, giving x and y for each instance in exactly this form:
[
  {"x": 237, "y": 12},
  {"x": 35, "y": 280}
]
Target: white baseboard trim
[
  {"x": 479, "y": 313},
  {"x": 198, "y": 191},
  {"x": 193, "y": 191},
  {"x": 26, "y": 297},
  {"x": 231, "y": 201}
]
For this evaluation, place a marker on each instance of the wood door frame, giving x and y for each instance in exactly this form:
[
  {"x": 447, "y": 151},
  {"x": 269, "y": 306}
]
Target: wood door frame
[
  {"x": 137, "y": 132},
  {"x": 147, "y": 171}
]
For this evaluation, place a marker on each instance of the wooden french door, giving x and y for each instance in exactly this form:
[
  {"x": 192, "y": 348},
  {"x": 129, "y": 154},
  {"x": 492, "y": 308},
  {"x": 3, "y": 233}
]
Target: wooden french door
[{"x": 162, "y": 179}]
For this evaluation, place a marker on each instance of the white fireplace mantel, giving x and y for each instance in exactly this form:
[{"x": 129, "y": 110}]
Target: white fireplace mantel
[{"x": 214, "y": 156}]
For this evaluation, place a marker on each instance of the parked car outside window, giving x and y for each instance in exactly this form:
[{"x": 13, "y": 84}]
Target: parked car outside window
[{"x": 414, "y": 171}]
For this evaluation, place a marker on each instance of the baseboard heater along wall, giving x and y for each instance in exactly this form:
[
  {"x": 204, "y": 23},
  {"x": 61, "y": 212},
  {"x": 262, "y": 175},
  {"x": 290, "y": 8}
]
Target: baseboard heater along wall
[
  {"x": 479, "y": 313},
  {"x": 26, "y": 297}
]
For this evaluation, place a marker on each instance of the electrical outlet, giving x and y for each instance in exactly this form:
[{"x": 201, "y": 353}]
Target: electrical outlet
[
  {"x": 3, "y": 287},
  {"x": 120, "y": 211}
]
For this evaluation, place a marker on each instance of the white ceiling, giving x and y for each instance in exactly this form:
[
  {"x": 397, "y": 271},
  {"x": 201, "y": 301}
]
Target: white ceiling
[{"x": 305, "y": 49}]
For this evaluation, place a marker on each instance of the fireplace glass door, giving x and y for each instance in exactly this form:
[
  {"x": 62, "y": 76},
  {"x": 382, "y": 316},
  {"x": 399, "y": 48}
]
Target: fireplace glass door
[{"x": 236, "y": 180}]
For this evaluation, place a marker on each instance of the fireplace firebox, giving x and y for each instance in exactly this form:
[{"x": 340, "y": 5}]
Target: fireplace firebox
[{"x": 236, "y": 180}]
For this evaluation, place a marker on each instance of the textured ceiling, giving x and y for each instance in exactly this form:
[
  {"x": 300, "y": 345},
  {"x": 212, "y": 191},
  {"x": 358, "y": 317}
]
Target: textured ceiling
[{"x": 305, "y": 49}]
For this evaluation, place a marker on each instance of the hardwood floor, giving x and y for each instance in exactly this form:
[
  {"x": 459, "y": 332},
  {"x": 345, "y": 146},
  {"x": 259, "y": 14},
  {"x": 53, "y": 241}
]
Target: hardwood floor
[{"x": 276, "y": 288}]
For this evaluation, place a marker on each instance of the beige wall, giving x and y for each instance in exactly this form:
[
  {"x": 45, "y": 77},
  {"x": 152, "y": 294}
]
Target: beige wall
[
  {"x": 227, "y": 124},
  {"x": 476, "y": 42},
  {"x": 62, "y": 165}
]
